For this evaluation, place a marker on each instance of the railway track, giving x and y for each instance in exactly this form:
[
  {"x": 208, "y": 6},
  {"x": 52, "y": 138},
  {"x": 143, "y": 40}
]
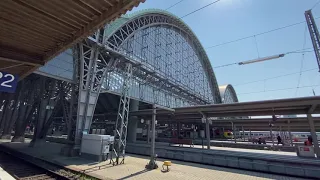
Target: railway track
[{"x": 23, "y": 170}]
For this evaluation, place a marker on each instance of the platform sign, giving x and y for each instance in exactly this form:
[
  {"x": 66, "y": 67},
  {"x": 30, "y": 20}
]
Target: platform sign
[{"x": 8, "y": 82}]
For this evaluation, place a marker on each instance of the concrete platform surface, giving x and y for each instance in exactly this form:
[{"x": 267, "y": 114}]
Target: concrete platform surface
[
  {"x": 284, "y": 163},
  {"x": 250, "y": 150},
  {"x": 241, "y": 152},
  {"x": 134, "y": 166}
]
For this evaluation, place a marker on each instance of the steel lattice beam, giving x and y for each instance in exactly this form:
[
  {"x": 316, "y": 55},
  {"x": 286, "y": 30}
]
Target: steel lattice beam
[
  {"x": 142, "y": 72},
  {"x": 314, "y": 34},
  {"x": 93, "y": 68},
  {"x": 120, "y": 136}
]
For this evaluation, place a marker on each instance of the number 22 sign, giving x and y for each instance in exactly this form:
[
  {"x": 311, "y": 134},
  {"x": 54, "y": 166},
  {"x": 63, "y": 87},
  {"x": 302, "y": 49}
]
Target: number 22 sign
[{"x": 8, "y": 82}]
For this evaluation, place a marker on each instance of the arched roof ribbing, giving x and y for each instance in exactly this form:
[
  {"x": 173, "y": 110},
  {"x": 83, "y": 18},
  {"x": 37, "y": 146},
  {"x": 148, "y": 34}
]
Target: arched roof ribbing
[
  {"x": 227, "y": 91},
  {"x": 117, "y": 33}
]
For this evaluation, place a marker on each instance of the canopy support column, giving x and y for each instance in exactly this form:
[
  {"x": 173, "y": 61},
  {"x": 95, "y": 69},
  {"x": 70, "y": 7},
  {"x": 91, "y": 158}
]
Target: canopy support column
[
  {"x": 208, "y": 132},
  {"x": 290, "y": 135},
  {"x": 313, "y": 131}
]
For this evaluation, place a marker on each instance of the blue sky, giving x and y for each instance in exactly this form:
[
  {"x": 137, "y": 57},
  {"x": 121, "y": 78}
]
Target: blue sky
[{"x": 228, "y": 20}]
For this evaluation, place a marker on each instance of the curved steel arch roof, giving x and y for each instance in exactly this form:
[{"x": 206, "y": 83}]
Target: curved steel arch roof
[
  {"x": 223, "y": 89},
  {"x": 168, "y": 19}
]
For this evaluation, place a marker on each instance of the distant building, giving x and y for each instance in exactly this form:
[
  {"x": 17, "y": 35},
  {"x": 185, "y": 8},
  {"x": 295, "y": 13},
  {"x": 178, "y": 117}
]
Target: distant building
[{"x": 228, "y": 94}]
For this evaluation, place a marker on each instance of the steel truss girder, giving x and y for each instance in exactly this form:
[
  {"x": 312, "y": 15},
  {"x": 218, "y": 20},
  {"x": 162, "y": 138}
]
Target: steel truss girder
[
  {"x": 93, "y": 68},
  {"x": 145, "y": 74},
  {"x": 140, "y": 71},
  {"x": 128, "y": 29},
  {"x": 120, "y": 134},
  {"x": 192, "y": 93},
  {"x": 314, "y": 34}
]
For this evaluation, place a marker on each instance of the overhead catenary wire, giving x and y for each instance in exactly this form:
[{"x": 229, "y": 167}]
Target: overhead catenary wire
[
  {"x": 275, "y": 77},
  {"x": 302, "y": 59},
  {"x": 256, "y": 43},
  {"x": 291, "y": 52},
  {"x": 225, "y": 65},
  {"x": 258, "y": 34},
  {"x": 192, "y": 11},
  {"x": 200, "y": 8},
  {"x": 281, "y": 89},
  {"x": 298, "y": 52},
  {"x": 315, "y": 5},
  {"x": 174, "y": 4}
]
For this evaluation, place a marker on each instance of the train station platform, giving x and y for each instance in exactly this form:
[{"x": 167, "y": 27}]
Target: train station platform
[
  {"x": 239, "y": 144},
  {"x": 286, "y": 163},
  {"x": 134, "y": 167}
]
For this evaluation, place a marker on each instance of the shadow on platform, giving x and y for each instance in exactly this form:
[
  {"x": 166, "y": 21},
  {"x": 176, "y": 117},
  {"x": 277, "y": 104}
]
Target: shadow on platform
[
  {"x": 133, "y": 167},
  {"x": 207, "y": 167},
  {"x": 135, "y": 174}
]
